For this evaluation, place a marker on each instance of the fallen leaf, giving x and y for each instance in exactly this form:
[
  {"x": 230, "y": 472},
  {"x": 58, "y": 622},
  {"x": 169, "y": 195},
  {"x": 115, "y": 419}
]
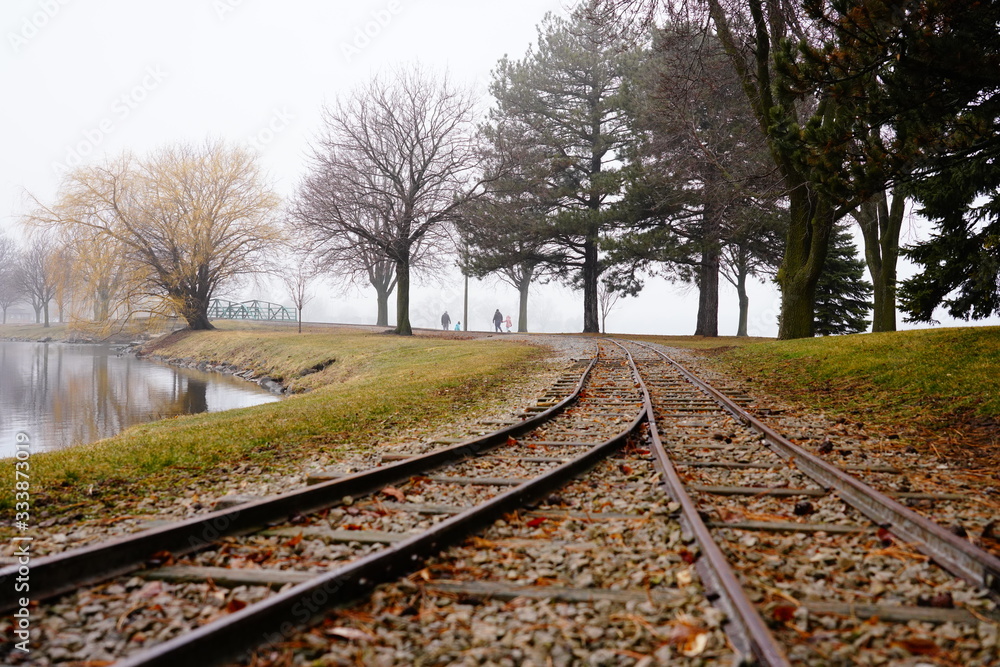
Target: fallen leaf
[
  {"x": 293, "y": 542},
  {"x": 695, "y": 646},
  {"x": 394, "y": 493},
  {"x": 536, "y": 522},
  {"x": 884, "y": 535},
  {"x": 625, "y": 468},
  {"x": 687, "y": 556},
  {"x": 690, "y": 638},
  {"x": 918, "y": 646},
  {"x": 783, "y": 613},
  {"x": 235, "y": 605},
  {"x": 511, "y": 441}
]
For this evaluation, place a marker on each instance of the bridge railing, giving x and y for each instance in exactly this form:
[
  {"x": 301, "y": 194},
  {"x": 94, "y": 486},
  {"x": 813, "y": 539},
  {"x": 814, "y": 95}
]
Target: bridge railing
[{"x": 220, "y": 309}]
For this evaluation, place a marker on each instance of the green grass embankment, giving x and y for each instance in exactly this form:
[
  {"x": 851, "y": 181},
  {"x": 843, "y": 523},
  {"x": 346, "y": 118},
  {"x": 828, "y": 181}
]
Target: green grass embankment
[
  {"x": 936, "y": 381},
  {"x": 370, "y": 386}
]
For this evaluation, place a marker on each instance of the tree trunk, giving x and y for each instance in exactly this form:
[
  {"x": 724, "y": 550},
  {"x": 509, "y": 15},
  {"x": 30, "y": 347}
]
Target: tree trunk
[
  {"x": 811, "y": 222},
  {"x": 522, "y": 306},
  {"x": 300, "y": 320},
  {"x": 711, "y": 252},
  {"x": 199, "y": 322},
  {"x": 708, "y": 292},
  {"x": 45, "y": 308},
  {"x": 403, "y": 299},
  {"x": 741, "y": 291},
  {"x": 382, "y": 297},
  {"x": 591, "y": 322},
  {"x": 194, "y": 310},
  {"x": 880, "y": 224}
]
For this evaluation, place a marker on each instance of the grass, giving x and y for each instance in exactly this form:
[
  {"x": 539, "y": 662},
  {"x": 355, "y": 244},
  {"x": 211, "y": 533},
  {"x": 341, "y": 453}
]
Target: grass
[
  {"x": 33, "y": 331},
  {"x": 60, "y": 331},
  {"x": 370, "y": 385},
  {"x": 930, "y": 380}
]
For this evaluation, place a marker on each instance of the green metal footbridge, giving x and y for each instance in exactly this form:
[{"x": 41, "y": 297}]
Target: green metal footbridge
[{"x": 220, "y": 309}]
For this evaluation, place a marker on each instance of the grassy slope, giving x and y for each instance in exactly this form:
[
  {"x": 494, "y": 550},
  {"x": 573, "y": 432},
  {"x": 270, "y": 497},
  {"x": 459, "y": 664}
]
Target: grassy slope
[
  {"x": 377, "y": 384},
  {"x": 931, "y": 381}
]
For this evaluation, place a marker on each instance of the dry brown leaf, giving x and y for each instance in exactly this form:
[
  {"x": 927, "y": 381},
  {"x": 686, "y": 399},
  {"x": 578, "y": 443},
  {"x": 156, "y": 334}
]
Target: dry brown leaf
[
  {"x": 784, "y": 613},
  {"x": 394, "y": 493},
  {"x": 918, "y": 646},
  {"x": 235, "y": 605},
  {"x": 691, "y": 639}
]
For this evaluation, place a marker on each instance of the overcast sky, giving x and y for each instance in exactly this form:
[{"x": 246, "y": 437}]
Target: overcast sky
[{"x": 87, "y": 78}]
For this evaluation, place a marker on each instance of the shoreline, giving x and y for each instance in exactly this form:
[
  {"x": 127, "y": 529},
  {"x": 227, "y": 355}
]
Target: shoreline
[{"x": 223, "y": 368}]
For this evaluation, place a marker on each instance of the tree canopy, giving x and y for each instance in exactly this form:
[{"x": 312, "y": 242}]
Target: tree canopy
[
  {"x": 187, "y": 220},
  {"x": 398, "y": 159},
  {"x": 563, "y": 107}
]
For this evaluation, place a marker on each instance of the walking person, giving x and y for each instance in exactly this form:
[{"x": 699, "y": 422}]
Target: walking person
[
  {"x": 507, "y": 323},
  {"x": 445, "y": 321},
  {"x": 458, "y": 326},
  {"x": 498, "y": 320}
]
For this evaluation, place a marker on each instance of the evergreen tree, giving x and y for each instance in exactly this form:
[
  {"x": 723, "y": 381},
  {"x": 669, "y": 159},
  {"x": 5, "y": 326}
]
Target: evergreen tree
[
  {"x": 562, "y": 107},
  {"x": 842, "y": 293},
  {"x": 961, "y": 261},
  {"x": 698, "y": 185}
]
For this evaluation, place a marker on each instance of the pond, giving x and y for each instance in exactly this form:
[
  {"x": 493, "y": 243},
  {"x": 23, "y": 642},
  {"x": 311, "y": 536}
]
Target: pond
[{"x": 63, "y": 394}]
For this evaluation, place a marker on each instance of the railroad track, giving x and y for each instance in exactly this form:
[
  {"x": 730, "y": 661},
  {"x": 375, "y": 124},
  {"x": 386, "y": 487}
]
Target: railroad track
[
  {"x": 741, "y": 513},
  {"x": 810, "y": 541},
  {"x": 802, "y": 576},
  {"x": 574, "y": 431}
]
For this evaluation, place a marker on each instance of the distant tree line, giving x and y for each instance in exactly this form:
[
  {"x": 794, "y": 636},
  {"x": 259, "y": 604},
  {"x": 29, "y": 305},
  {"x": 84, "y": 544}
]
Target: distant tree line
[{"x": 697, "y": 141}]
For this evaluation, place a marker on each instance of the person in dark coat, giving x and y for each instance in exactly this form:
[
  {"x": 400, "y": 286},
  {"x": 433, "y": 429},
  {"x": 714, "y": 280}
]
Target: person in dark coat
[
  {"x": 498, "y": 320},
  {"x": 445, "y": 320}
]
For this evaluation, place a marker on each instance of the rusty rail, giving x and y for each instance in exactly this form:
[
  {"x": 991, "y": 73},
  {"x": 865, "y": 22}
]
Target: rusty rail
[{"x": 960, "y": 557}]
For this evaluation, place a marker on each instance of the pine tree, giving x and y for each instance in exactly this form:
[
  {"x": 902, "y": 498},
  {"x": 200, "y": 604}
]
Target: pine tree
[{"x": 842, "y": 293}]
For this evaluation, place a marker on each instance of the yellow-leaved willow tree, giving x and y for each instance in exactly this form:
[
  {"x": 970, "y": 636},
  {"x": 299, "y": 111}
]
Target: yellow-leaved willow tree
[{"x": 187, "y": 220}]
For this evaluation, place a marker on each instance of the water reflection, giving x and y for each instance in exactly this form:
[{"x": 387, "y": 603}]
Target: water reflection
[{"x": 63, "y": 395}]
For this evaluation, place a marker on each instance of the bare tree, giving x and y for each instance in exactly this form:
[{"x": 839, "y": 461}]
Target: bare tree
[
  {"x": 188, "y": 219},
  {"x": 10, "y": 279},
  {"x": 94, "y": 277},
  {"x": 38, "y": 275},
  {"x": 396, "y": 161},
  {"x": 297, "y": 276},
  {"x": 607, "y": 298}
]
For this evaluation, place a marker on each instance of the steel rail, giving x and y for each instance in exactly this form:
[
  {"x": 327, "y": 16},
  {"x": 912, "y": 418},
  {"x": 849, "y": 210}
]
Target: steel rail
[
  {"x": 960, "y": 557},
  {"x": 747, "y": 631},
  {"x": 273, "y": 620},
  {"x": 61, "y": 573}
]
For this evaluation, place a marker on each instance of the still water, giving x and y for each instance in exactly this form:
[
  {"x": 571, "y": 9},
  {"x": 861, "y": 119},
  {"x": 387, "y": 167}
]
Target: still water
[{"x": 63, "y": 395}]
